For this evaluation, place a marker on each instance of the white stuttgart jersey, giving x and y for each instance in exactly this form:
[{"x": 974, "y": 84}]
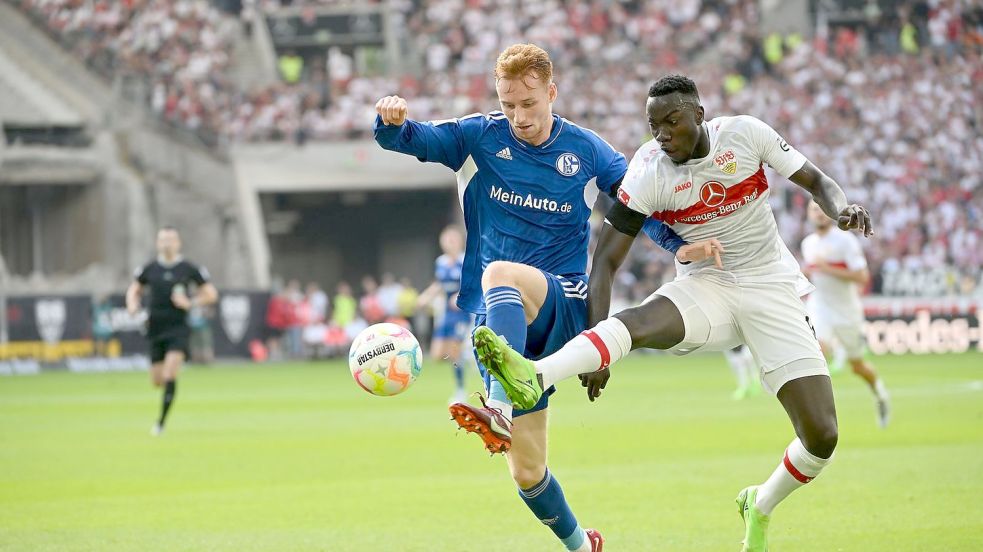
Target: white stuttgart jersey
[
  {"x": 723, "y": 195},
  {"x": 836, "y": 301}
]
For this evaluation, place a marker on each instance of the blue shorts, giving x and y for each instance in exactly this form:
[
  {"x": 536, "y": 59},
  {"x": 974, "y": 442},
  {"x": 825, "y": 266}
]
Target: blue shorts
[
  {"x": 562, "y": 316},
  {"x": 455, "y": 325}
]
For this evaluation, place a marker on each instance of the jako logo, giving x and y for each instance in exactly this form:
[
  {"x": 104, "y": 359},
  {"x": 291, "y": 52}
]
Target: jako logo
[
  {"x": 685, "y": 186},
  {"x": 528, "y": 201}
]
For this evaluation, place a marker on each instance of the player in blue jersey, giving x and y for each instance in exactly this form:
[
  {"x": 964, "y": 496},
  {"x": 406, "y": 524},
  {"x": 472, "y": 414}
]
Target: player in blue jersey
[
  {"x": 525, "y": 178},
  {"x": 452, "y": 326}
]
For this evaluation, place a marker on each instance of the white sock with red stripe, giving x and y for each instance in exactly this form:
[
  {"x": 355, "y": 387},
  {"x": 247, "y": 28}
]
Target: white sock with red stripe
[
  {"x": 796, "y": 469},
  {"x": 592, "y": 350}
]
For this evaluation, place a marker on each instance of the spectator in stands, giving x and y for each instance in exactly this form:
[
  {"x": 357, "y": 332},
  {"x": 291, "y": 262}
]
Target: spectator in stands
[
  {"x": 369, "y": 305},
  {"x": 295, "y": 326},
  {"x": 343, "y": 314},
  {"x": 389, "y": 295},
  {"x": 315, "y": 333},
  {"x": 406, "y": 301},
  {"x": 102, "y": 325},
  {"x": 201, "y": 342},
  {"x": 318, "y": 301},
  {"x": 279, "y": 313},
  {"x": 291, "y": 67},
  {"x": 344, "y": 307}
]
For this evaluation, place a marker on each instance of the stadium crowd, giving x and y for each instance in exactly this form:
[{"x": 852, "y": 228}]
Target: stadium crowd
[
  {"x": 181, "y": 48},
  {"x": 890, "y": 106},
  {"x": 307, "y": 323}
]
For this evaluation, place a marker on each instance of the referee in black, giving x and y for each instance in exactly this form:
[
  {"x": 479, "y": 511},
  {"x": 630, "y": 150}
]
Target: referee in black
[{"x": 169, "y": 278}]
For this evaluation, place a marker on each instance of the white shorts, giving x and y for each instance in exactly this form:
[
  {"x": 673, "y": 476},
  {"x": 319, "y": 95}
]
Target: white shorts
[
  {"x": 850, "y": 336},
  {"x": 769, "y": 318}
]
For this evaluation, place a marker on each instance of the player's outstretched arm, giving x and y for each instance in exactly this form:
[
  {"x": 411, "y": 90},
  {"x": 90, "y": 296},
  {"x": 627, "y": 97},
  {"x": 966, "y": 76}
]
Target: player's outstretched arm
[
  {"x": 446, "y": 142},
  {"x": 685, "y": 253},
  {"x": 427, "y": 296},
  {"x": 828, "y": 194}
]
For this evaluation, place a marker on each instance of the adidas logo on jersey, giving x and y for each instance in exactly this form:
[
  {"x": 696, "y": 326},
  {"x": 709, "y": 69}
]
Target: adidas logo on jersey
[{"x": 504, "y": 154}]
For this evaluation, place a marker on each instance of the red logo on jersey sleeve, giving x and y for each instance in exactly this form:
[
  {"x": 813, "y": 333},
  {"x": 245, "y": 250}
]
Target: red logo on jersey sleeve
[{"x": 623, "y": 196}]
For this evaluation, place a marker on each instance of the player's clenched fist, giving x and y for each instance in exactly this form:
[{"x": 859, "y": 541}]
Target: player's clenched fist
[
  {"x": 855, "y": 217},
  {"x": 392, "y": 109}
]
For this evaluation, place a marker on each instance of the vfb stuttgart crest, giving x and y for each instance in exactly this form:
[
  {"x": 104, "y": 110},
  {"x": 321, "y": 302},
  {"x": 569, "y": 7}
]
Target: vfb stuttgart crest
[
  {"x": 49, "y": 315},
  {"x": 568, "y": 164},
  {"x": 713, "y": 193},
  {"x": 726, "y": 161},
  {"x": 234, "y": 314}
]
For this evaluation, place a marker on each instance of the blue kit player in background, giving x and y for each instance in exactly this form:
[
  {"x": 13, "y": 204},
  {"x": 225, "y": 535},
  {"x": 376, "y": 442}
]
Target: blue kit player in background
[
  {"x": 452, "y": 326},
  {"x": 525, "y": 179}
]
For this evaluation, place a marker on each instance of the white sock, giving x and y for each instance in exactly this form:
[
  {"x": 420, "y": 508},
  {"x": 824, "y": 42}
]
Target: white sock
[
  {"x": 592, "y": 350},
  {"x": 505, "y": 407},
  {"x": 880, "y": 390},
  {"x": 796, "y": 469},
  {"x": 737, "y": 363},
  {"x": 586, "y": 546}
]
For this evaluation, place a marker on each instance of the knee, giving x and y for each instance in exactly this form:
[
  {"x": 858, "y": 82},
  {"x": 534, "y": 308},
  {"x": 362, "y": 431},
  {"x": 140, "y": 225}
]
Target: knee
[
  {"x": 526, "y": 476},
  {"x": 498, "y": 273},
  {"x": 821, "y": 440},
  {"x": 654, "y": 325},
  {"x": 857, "y": 366}
]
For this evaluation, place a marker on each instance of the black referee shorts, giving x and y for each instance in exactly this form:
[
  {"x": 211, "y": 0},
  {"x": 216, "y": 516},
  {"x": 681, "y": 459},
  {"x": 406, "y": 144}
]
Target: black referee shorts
[{"x": 175, "y": 340}]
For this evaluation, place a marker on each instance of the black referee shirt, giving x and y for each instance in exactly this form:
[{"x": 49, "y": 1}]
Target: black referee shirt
[{"x": 162, "y": 279}]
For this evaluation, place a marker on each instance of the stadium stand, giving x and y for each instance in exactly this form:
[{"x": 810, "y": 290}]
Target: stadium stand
[
  {"x": 86, "y": 175},
  {"x": 25, "y": 102},
  {"x": 895, "y": 70}
]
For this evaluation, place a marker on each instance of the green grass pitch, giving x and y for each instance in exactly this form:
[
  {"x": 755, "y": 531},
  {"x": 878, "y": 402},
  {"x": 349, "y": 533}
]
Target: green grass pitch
[{"x": 297, "y": 457}]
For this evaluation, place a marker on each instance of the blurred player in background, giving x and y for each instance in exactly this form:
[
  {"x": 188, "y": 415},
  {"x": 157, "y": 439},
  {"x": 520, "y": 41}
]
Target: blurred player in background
[
  {"x": 745, "y": 370},
  {"x": 169, "y": 278},
  {"x": 452, "y": 326},
  {"x": 525, "y": 178},
  {"x": 706, "y": 178},
  {"x": 835, "y": 263}
]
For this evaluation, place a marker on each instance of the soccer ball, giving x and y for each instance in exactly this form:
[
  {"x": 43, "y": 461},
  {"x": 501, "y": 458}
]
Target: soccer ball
[{"x": 385, "y": 359}]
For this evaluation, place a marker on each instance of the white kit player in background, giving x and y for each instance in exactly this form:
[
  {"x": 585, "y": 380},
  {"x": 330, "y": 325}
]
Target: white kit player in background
[
  {"x": 742, "y": 364},
  {"x": 835, "y": 264}
]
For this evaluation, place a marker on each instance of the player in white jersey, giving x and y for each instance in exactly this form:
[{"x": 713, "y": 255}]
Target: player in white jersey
[
  {"x": 705, "y": 179},
  {"x": 836, "y": 265}
]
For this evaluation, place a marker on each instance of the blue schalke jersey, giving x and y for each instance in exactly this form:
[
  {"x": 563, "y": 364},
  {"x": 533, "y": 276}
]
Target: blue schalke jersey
[{"x": 522, "y": 203}]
